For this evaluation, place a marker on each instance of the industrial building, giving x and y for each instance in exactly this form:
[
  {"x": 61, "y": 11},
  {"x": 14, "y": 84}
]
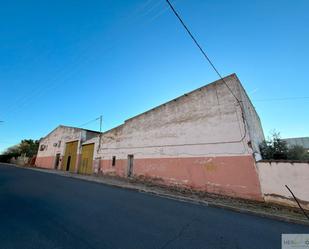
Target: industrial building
[
  {"x": 207, "y": 140},
  {"x": 299, "y": 141},
  {"x": 65, "y": 148}
]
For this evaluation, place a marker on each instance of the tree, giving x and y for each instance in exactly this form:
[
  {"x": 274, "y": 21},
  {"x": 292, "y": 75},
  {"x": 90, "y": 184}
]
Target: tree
[
  {"x": 27, "y": 147},
  {"x": 9, "y": 153},
  {"x": 14, "y": 150},
  {"x": 277, "y": 149},
  {"x": 274, "y": 147}
]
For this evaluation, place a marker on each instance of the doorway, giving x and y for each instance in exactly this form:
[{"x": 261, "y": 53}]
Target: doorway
[
  {"x": 70, "y": 156},
  {"x": 57, "y": 161},
  {"x": 85, "y": 166},
  {"x": 130, "y": 165},
  {"x": 68, "y": 163}
]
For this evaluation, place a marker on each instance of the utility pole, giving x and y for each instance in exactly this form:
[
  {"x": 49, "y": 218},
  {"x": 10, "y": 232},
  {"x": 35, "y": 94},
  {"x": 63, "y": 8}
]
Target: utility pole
[
  {"x": 101, "y": 124},
  {"x": 100, "y": 138}
]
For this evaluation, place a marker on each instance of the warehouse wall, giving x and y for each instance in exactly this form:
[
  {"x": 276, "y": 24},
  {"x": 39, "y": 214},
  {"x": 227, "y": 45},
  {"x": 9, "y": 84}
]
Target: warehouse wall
[
  {"x": 254, "y": 126},
  {"x": 46, "y": 158},
  {"x": 193, "y": 141}
]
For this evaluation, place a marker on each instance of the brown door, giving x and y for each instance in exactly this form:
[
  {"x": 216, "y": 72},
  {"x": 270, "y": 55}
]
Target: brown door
[{"x": 70, "y": 155}]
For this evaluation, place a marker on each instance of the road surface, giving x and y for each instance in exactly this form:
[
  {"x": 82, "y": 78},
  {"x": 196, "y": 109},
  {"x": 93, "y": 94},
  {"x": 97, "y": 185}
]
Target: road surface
[{"x": 45, "y": 211}]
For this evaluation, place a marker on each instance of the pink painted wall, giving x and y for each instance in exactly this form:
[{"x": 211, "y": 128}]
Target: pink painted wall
[
  {"x": 274, "y": 175},
  {"x": 120, "y": 169},
  {"x": 234, "y": 176},
  {"x": 45, "y": 162}
]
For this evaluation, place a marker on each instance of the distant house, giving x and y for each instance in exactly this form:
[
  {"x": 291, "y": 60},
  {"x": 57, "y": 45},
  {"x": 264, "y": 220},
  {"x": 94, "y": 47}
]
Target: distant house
[
  {"x": 302, "y": 141},
  {"x": 205, "y": 140}
]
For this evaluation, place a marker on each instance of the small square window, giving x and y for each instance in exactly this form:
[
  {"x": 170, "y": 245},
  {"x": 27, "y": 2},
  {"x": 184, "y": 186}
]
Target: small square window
[{"x": 114, "y": 161}]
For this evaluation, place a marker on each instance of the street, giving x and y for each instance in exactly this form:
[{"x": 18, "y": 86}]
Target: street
[{"x": 44, "y": 211}]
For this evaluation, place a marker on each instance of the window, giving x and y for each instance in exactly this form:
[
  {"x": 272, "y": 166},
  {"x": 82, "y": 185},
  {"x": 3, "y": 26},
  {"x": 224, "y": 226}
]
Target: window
[
  {"x": 59, "y": 143},
  {"x": 42, "y": 147},
  {"x": 114, "y": 161}
]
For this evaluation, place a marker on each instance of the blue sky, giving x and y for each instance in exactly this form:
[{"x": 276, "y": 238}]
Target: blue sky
[{"x": 67, "y": 62}]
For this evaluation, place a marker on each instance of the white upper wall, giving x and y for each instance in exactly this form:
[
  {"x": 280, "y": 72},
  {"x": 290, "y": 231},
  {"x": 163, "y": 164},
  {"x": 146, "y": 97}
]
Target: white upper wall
[
  {"x": 55, "y": 141},
  {"x": 253, "y": 122},
  {"x": 205, "y": 122}
]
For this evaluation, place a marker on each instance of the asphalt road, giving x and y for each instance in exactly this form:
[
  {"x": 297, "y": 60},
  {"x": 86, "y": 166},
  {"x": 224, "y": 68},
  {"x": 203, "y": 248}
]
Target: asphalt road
[{"x": 44, "y": 211}]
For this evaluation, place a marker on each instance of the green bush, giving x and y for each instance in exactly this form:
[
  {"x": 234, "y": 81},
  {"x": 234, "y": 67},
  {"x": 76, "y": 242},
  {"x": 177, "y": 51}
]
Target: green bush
[
  {"x": 27, "y": 147},
  {"x": 297, "y": 152},
  {"x": 275, "y": 148}
]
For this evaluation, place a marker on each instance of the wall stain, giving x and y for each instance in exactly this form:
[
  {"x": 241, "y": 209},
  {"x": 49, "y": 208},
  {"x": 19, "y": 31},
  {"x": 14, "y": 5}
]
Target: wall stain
[{"x": 210, "y": 166}]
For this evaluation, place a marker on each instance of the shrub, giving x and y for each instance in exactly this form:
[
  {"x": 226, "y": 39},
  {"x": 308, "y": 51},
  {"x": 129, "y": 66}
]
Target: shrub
[
  {"x": 27, "y": 147},
  {"x": 277, "y": 149},
  {"x": 297, "y": 152},
  {"x": 274, "y": 148}
]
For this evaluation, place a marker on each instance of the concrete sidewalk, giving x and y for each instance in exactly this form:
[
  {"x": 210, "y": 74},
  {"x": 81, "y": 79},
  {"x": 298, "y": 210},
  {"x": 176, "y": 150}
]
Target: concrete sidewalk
[{"x": 239, "y": 205}]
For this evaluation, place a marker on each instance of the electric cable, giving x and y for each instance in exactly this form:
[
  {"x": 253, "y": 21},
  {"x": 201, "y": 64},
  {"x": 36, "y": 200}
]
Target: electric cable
[
  {"x": 212, "y": 65},
  {"x": 89, "y": 122}
]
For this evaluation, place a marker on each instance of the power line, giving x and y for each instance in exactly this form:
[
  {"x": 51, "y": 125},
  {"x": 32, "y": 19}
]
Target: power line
[
  {"x": 201, "y": 49},
  {"x": 100, "y": 137},
  {"x": 213, "y": 66},
  {"x": 89, "y": 122}
]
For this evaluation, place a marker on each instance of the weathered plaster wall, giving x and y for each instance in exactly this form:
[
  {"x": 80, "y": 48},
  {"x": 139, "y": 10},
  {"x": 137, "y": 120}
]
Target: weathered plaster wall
[
  {"x": 198, "y": 140},
  {"x": 180, "y": 141},
  {"x": 204, "y": 122},
  {"x": 45, "y": 162},
  {"x": 253, "y": 122},
  {"x": 275, "y": 175},
  {"x": 59, "y": 136}
]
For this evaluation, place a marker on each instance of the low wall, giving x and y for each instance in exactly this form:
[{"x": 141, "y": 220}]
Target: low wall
[
  {"x": 21, "y": 160},
  {"x": 274, "y": 175},
  {"x": 234, "y": 176}
]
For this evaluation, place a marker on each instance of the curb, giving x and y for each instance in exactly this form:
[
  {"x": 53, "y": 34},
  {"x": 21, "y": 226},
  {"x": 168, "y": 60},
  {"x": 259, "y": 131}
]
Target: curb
[{"x": 169, "y": 196}]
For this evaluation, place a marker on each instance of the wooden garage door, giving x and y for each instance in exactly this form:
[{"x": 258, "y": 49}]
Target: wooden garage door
[
  {"x": 70, "y": 155},
  {"x": 85, "y": 166}
]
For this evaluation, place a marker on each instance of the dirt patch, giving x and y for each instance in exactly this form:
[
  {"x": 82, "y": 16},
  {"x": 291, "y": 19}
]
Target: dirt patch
[{"x": 258, "y": 206}]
